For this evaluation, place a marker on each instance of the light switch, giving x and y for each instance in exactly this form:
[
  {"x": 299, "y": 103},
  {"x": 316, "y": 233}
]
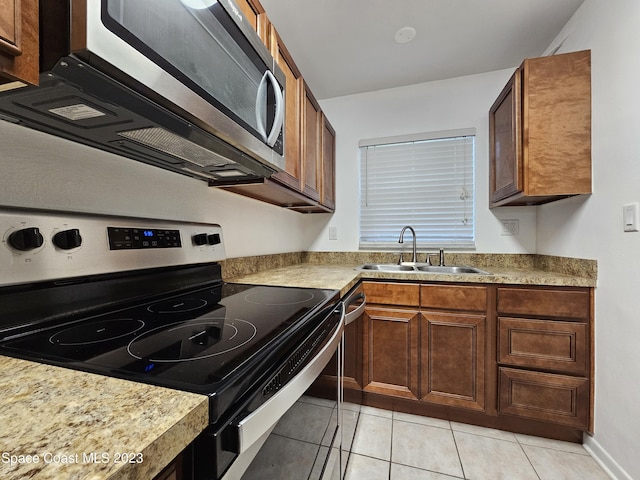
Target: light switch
[
  {"x": 630, "y": 216},
  {"x": 333, "y": 233}
]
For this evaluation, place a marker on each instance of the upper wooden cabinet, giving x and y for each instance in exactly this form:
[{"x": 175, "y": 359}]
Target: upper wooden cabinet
[
  {"x": 540, "y": 132},
  {"x": 311, "y": 147},
  {"x": 19, "y": 59},
  {"x": 293, "y": 113},
  {"x": 254, "y": 13},
  {"x": 328, "y": 192}
]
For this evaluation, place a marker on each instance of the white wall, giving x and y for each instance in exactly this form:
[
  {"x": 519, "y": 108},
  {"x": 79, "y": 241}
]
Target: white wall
[
  {"x": 592, "y": 227},
  {"x": 40, "y": 171},
  {"x": 434, "y": 106}
]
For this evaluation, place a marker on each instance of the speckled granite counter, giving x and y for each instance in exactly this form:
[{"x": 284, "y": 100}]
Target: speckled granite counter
[
  {"x": 65, "y": 416},
  {"x": 343, "y": 277}
]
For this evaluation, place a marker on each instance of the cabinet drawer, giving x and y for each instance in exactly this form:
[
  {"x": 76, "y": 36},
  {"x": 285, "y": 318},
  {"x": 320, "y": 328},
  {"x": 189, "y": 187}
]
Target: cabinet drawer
[
  {"x": 544, "y": 396},
  {"x": 392, "y": 293},
  {"x": 453, "y": 297},
  {"x": 544, "y": 344},
  {"x": 544, "y": 302}
]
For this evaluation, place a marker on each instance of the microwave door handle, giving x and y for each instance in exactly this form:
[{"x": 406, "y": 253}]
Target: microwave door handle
[
  {"x": 278, "y": 118},
  {"x": 261, "y": 107}
]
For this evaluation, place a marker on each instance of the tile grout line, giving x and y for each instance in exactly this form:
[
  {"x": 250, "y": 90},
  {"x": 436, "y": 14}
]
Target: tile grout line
[
  {"x": 464, "y": 475},
  {"x": 393, "y": 422},
  {"x": 528, "y": 459}
]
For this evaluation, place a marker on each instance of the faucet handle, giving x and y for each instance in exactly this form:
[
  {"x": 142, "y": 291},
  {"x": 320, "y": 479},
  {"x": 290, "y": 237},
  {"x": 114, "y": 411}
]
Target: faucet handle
[{"x": 400, "y": 259}]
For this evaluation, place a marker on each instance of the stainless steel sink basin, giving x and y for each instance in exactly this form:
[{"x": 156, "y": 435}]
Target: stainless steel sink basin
[
  {"x": 421, "y": 268},
  {"x": 453, "y": 269},
  {"x": 383, "y": 267}
]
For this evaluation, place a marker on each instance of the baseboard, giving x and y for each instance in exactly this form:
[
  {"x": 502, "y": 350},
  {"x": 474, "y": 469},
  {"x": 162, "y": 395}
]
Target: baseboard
[{"x": 605, "y": 460}]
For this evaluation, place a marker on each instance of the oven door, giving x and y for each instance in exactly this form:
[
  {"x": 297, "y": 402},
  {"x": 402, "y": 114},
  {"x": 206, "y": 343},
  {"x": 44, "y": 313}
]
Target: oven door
[{"x": 242, "y": 448}]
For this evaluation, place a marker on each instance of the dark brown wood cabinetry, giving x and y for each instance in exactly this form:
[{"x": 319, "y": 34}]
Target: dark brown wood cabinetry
[
  {"x": 328, "y": 193},
  {"x": 453, "y": 338},
  {"x": 19, "y": 60},
  {"x": 540, "y": 132},
  {"x": 518, "y": 358},
  {"x": 293, "y": 114},
  {"x": 390, "y": 332},
  {"x": 544, "y": 354},
  {"x": 173, "y": 471}
]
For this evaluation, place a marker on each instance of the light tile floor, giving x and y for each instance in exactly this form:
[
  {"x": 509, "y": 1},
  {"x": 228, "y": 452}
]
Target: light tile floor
[{"x": 397, "y": 446}]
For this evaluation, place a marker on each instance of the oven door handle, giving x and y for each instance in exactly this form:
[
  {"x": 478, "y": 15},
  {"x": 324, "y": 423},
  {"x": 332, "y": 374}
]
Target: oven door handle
[
  {"x": 357, "y": 296},
  {"x": 254, "y": 425}
]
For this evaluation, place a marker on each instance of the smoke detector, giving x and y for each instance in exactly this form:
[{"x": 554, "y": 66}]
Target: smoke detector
[{"x": 405, "y": 35}]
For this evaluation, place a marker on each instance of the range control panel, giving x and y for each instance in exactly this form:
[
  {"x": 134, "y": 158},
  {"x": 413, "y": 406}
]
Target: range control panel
[
  {"x": 40, "y": 245},
  {"x": 123, "y": 238}
]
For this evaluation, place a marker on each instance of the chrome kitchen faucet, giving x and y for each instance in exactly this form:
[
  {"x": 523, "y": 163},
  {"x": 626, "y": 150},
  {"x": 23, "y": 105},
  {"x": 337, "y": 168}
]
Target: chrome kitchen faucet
[{"x": 414, "y": 257}]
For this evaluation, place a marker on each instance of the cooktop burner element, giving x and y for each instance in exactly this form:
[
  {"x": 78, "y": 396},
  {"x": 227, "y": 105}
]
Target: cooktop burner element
[
  {"x": 179, "y": 306},
  {"x": 95, "y": 332},
  {"x": 266, "y": 296},
  {"x": 179, "y": 342}
]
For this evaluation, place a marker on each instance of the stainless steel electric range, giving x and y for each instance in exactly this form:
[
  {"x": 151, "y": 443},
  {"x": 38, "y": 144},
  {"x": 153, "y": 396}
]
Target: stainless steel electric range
[{"x": 144, "y": 300}]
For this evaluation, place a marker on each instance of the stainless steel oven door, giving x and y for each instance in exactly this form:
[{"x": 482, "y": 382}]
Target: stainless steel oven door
[{"x": 296, "y": 434}]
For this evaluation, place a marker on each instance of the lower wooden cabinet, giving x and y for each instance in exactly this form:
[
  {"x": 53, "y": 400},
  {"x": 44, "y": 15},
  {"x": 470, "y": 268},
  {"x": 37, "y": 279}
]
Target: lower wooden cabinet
[
  {"x": 543, "y": 344},
  {"x": 560, "y": 399},
  {"x": 518, "y": 358},
  {"x": 390, "y": 355},
  {"x": 173, "y": 471},
  {"x": 453, "y": 359}
]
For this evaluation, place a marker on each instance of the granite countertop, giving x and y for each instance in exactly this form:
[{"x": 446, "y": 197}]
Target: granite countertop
[
  {"x": 343, "y": 277},
  {"x": 64, "y": 417}
]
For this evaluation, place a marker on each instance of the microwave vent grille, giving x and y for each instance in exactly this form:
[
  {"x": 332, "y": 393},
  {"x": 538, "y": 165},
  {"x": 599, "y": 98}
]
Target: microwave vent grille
[{"x": 172, "y": 144}]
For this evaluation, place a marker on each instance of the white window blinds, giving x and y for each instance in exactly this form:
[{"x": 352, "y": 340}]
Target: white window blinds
[{"x": 426, "y": 181}]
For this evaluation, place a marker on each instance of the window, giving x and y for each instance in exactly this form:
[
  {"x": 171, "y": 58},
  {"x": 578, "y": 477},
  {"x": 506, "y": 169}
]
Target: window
[{"x": 425, "y": 181}]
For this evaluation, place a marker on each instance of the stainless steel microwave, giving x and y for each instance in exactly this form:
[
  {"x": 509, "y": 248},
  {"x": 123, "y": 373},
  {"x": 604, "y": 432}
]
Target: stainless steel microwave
[{"x": 185, "y": 85}]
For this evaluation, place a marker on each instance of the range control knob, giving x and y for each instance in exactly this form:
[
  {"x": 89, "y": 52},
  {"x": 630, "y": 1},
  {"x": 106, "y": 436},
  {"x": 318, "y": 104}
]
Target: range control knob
[
  {"x": 26, "y": 239},
  {"x": 68, "y": 239},
  {"x": 213, "y": 239},
  {"x": 200, "y": 239}
]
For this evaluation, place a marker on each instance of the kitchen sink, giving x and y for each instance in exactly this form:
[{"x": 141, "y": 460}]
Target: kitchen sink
[
  {"x": 448, "y": 269},
  {"x": 384, "y": 267},
  {"x": 421, "y": 268}
]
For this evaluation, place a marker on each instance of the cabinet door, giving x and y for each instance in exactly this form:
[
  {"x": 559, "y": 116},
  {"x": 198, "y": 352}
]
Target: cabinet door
[
  {"x": 556, "y": 113},
  {"x": 328, "y": 198},
  {"x": 390, "y": 357},
  {"x": 293, "y": 111},
  {"x": 311, "y": 152},
  {"x": 19, "y": 59},
  {"x": 254, "y": 13},
  {"x": 453, "y": 359},
  {"x": 10, "y": 28},
  {"x": 505, "y": 142}
]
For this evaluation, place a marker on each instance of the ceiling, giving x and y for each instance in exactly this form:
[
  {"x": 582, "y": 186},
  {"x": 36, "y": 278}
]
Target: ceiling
[{"x": 344, "y": 47}]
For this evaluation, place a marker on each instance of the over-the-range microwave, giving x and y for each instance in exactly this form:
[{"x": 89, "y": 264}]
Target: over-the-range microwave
[{"x": 185, "y": 85}]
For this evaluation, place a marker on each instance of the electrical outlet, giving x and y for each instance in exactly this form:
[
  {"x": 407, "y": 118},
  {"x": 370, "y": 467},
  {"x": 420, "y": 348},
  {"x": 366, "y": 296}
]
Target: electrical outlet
[
  {"x": 333, "y": 233},
  {"x": 510, "y": 227}
]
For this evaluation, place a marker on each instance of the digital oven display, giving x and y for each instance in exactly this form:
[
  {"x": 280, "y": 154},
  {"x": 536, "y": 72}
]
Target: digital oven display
[{"x": 140, "y": 238}]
